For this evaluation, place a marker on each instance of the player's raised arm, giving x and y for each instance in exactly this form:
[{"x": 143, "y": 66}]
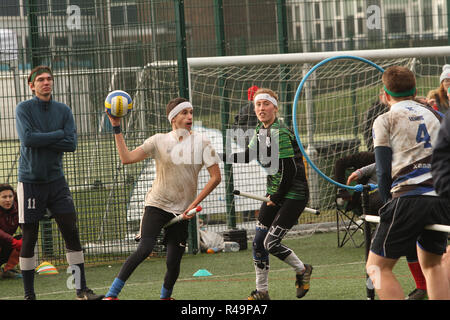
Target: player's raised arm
[
  {"x": 173, "y": 191},
  {"x": 126, "y": 156}
]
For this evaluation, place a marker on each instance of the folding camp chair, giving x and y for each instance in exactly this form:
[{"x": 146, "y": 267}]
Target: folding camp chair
[{"x": 348, "y": 221}]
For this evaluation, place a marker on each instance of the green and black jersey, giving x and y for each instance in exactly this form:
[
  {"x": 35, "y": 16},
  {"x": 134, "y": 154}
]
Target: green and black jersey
[{"x": 289, "y": 180}]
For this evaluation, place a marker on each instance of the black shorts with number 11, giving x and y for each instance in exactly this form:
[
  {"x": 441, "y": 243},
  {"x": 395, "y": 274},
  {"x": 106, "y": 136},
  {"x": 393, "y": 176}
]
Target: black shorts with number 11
[{"x": 35, "y": 198}]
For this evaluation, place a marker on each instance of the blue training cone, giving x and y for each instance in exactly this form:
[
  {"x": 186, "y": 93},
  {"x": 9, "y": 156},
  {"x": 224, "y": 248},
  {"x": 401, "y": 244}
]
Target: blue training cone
[{"x": 202, "y": 273}]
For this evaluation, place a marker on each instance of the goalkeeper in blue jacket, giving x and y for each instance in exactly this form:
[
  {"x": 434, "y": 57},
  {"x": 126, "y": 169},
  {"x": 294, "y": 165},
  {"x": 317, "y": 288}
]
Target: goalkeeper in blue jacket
[{"x": 46, "y": 130}]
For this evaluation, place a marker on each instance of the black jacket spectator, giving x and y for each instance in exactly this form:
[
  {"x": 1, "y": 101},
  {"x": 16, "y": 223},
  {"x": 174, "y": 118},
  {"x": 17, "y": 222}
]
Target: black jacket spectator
[{"x": 440, "y": 165}]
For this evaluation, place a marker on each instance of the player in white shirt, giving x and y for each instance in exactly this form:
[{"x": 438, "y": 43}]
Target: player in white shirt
[
  {"x": 410, "y": 131},
  {"x": 179, "y": 155},
  {"x": 403, "y": 141}
]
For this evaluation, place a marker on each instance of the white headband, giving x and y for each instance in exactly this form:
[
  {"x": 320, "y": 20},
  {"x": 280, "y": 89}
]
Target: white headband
[
  {"x": 266, "y": 96},
  {"x": 178, "y": 109}
]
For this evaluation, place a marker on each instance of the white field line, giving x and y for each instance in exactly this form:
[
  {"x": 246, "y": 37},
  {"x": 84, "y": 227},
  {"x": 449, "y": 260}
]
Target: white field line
[{"x": 137, "y": 284}]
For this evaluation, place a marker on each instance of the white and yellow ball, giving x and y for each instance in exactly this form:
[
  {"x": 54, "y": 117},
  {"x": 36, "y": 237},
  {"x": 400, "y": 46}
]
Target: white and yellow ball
[{"x": 118, "y": 103}]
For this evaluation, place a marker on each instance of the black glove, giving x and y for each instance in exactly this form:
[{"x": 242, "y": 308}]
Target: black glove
[{"x": 276, "y": 198}]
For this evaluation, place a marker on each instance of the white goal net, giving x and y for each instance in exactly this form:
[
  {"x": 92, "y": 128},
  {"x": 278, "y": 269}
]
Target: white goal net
[{"x": 332, "y": 114}]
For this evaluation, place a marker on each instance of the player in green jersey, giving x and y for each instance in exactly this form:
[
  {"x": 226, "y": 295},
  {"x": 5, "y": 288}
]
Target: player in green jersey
[{"x": 275, "y": 148}]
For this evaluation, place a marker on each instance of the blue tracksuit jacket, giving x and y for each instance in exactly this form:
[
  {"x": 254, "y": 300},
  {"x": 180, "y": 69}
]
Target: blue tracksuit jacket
[{"x": 46, "y": 130}]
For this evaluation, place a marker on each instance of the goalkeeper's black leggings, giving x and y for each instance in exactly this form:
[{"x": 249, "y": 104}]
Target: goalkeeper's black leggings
[
  {"x": 273, "y": 224},
  {"x": 174, "y": 238}
]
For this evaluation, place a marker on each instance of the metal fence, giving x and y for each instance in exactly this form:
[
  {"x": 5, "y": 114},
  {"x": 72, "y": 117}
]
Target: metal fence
[{"x": 142, "y": 47}]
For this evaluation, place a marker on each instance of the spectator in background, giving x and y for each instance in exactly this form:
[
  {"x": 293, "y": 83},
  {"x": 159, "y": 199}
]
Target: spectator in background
[
  {"x": 363, "y": 163},
  {"x": 246, "y": 118},
  {"x": 377, "y": 108},
  {"x": 437, "y": 98},
  {"x": 440, "y": 170},
  {"x": 10, "y": 245}
]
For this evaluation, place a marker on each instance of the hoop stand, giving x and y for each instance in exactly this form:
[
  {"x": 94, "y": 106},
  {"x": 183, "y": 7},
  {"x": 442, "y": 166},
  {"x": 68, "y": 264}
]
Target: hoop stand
[
  {"x": 370, "y": 291},
  {"x": 366, "y": 188}
]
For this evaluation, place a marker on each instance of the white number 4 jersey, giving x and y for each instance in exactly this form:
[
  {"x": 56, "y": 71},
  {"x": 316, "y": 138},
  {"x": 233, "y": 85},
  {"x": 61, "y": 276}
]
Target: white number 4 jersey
[{"x": 410, "y": 130}]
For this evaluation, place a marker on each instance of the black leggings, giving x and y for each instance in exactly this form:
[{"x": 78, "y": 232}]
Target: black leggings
[
  {"x": 67, "y": 224},
  {"x": 274, "y": 223},
  {"x": 175, "y": 240}
]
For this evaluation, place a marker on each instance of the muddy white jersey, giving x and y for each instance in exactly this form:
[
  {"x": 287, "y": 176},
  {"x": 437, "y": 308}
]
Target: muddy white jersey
[
  {"x": 410, "y": 130},
  {"x": 179, "y": 157}
]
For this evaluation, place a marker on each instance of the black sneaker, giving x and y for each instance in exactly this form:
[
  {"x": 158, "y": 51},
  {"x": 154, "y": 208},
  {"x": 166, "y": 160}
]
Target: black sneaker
[
  {"x": 302, "y": 281},
  {"x": 258, "y": 295},
  {"x": 88, "y": 294},
  {"x": 30, "y": 297},
  {"x": 417, "y": 294}
]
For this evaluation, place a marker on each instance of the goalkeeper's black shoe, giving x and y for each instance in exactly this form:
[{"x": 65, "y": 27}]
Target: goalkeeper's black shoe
[
  {"x": 302, "y": 281},
  {"x": 88, "y": 294},
  {"x": 258, "y": 295}
]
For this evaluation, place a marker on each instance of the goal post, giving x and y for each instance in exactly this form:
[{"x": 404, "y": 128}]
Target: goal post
[
  {"x": 332, "y": 110},
  {"x": 297, "y": 58}
]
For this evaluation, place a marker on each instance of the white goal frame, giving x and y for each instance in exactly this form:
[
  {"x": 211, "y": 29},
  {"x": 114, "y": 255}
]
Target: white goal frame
[
  {"x": 297, "y": 58},
  {"x": 307, "y": 60}
]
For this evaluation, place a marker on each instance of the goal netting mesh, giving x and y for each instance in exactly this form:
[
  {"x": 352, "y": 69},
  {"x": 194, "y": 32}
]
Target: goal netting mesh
[{"x": 333, "y": 114}]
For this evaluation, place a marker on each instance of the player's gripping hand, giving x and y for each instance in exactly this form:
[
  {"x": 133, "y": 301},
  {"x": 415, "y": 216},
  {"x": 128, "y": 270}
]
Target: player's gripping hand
[
  {"x": 114, "y": 120},
  {"x": 275, "y": 200},
  {"x": 354, "y": 176},
  {"x": 190, "y": 212}
]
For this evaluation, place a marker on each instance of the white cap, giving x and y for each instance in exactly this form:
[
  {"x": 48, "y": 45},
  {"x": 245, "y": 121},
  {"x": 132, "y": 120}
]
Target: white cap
[{"x": 445, "y": 73}]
